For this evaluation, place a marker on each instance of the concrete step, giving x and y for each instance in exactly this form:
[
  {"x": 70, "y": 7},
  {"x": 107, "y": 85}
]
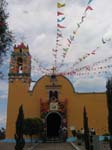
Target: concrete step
[{"x": 54, "y": 140}]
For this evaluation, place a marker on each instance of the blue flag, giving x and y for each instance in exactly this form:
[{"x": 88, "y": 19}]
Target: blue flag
[
  {"x": 60, "y": 20},
  {"x": 90, "y": 1}
]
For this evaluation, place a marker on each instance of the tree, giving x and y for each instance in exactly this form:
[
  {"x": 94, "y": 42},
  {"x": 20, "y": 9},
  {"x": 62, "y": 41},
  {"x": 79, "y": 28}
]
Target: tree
[
  {"x": 33, "y": 126},
  {"x": 86, "y": 130},
  {"x": 2, "y": 133},
  {"x": 5, "y": 34},
  {"x": 20, "y": 142},
  {"x": 109, "y": 103}
]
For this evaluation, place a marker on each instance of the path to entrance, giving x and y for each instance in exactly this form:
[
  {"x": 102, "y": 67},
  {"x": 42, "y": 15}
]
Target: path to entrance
[{"x": 54, "y": 146}]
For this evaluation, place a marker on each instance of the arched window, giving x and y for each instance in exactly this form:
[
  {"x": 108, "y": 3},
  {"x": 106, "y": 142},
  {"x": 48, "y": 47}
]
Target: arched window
[
  {"x": 53, "y": 94},
  {"x": 50, "y": 94},
  {"x": 19, "y": 64},
  {"x": 20, "y": 50},
  {"x": 56, "y": 94}
]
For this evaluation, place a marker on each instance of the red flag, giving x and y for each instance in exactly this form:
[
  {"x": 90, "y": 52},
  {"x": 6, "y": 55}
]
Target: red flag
[
  {"x": 88, "y": 8},
  {"x": 60, "y": 26},
  {"x": 59, "y": 13},
  {"x": 93, "y": 52}
]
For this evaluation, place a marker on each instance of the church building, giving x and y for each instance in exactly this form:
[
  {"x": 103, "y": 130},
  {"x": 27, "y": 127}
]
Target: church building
[{"x": 53, "y": 99}]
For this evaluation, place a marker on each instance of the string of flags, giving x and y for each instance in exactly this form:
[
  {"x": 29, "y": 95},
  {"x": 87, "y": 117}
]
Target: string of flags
[
  {"x": 95, "y": 68},
  {"x": 72, "y": 36},
  {"x": 38, "y": 67},
  {"x": 91, "y": 53},
  {"x": 60, "y": 19},
  {"x": 60, "y": 27},
  {"x": 89, "y": 71}
]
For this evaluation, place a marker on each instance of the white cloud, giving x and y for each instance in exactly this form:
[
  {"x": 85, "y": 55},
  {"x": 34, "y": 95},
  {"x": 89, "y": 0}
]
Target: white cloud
[
  {"x": 36, "y": 20},
  {"x": 3, "y": 86},
  {"x": 3, "y": 96},
  {"x": 92, "y": 85},
  {"x": 3, "y": 120}
]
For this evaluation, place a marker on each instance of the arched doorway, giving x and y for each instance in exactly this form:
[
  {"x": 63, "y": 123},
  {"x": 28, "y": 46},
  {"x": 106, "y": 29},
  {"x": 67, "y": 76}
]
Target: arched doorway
[{"x": 54, "y": 122}]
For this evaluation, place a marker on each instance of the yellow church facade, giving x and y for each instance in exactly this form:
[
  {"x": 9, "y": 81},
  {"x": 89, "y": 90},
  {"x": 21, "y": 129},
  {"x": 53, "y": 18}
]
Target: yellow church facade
[{"x": 53, "y": 99}]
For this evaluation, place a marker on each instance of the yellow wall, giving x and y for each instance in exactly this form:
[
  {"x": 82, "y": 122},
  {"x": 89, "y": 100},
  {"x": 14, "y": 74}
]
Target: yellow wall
[{"x": 95, "y": 104}]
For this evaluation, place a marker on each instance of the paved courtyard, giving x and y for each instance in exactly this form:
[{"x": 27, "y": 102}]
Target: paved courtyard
[
  {"x": 44, "y": 146},
  {"x": 54, "y": 146},
  {"x": 7, "y": 146},
  {"x": 49, "y": 146}
]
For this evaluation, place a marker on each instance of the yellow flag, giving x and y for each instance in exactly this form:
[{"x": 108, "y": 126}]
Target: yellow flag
[{"x": 59, "y": 5}]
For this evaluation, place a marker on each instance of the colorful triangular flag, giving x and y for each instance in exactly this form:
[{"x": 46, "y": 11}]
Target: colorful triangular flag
[
  {"x": 59, "y": 13},
  {"x": 88, "y": 8},
  {"x": 60, "y": 20},
  {"x": 90, "y": 1},
  {"x": 60, "y": 26},
  {"x": 59, "y": 5}
]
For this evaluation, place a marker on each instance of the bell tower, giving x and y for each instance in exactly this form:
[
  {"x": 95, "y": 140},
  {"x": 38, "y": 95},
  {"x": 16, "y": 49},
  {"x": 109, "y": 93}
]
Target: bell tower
[
  {"x": 19, "y": 82},
  {"x": 20, "y": 64}
]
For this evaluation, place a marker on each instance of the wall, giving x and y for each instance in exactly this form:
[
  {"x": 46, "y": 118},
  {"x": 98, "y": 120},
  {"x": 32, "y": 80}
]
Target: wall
[{"x": 95, "y": 104}]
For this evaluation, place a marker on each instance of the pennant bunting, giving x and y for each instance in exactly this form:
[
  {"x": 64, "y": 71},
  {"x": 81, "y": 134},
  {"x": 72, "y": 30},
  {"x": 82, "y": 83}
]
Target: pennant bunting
[
  {"x": 64, "y": 54},
  {"x": 69, "y": 41},
  {"x": 60, "y": 26},
  {"x": 54, "y": 50},
  {"x": 78, "y": 25},
  {"x": 58, "y": 30},
  {"x": 71, "y": 38},
  {"x": 88, "y": 67},
  {"x": 65, "y": 49},
  {"x": 58, "y": 44},
  {"x": 88, "y": 8},
  {"x": 55, "y": 55},
  {"x": 90, "y": 1},
  {"x": 59, "y": 5},
  {"x": 60, "y": 20},
  {"x": 88, "y": 70},
  {"x": 59, "y": 35},
  {"x": 80, "y": 59},
  {"x": 103, "y": 41},
  {"x": 93, "y": 52},
  {"x": 57, "y": 40},
  {"x": 59, "y": 13},
  {"x": 82, "y": 19}
]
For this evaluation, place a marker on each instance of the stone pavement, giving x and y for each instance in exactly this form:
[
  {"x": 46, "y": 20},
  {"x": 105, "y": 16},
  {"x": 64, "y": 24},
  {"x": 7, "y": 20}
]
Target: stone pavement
[
  {"x": 7, "y": 146},
  {"x": 54, "y": 146}
]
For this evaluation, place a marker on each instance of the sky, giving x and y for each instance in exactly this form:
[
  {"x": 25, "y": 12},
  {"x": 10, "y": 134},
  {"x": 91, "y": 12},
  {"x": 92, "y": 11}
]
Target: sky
[{"x": 35, "y": 23}]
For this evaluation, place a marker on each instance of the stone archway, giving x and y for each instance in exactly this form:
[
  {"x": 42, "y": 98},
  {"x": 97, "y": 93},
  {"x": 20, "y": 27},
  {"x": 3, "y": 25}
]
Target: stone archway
[{"x": 54, "y": 122}]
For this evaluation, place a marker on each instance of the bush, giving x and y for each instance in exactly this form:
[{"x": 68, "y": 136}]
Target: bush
[
  {"x": 2, "y": 133},
  {"x": 106, "y": 139}
]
